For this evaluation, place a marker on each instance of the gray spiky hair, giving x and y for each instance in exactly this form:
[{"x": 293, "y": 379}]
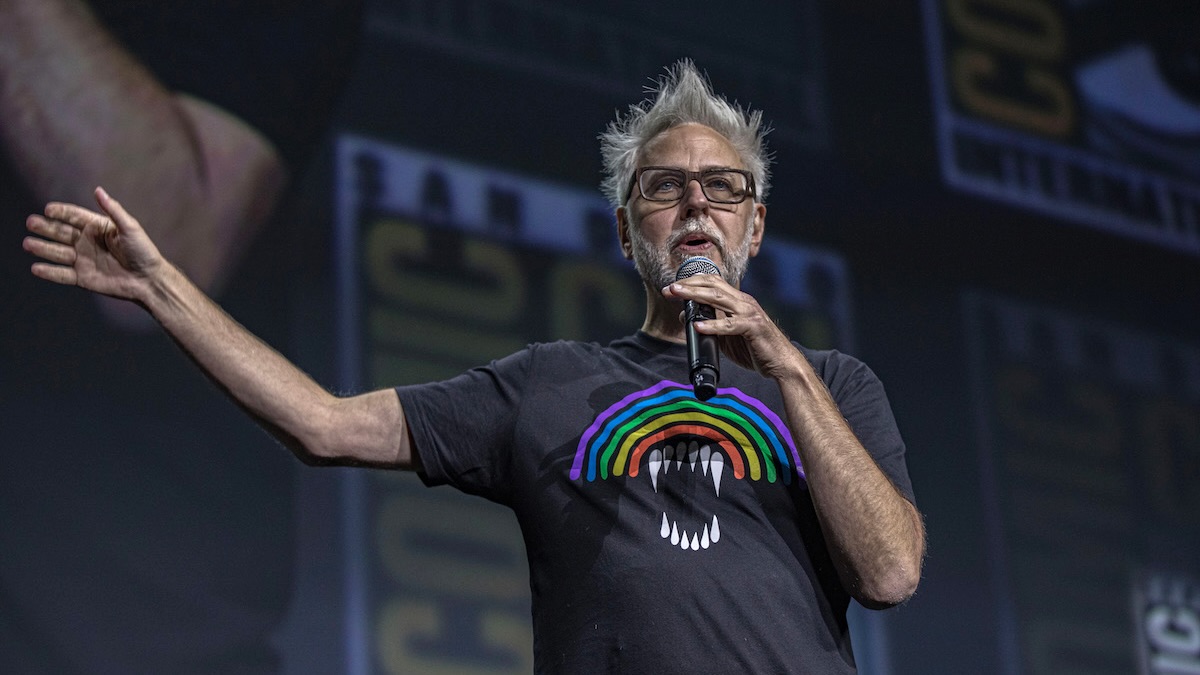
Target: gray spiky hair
[{"x": 683, "y": 96}]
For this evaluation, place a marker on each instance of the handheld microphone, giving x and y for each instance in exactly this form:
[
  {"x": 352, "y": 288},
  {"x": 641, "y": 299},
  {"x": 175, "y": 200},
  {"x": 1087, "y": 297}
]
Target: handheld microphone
[{"x": 703, "y": 355}]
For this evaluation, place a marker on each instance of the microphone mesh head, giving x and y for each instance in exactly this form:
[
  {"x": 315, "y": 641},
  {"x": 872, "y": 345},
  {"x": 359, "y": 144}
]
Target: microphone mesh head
[{"x": 696, "y": 265}]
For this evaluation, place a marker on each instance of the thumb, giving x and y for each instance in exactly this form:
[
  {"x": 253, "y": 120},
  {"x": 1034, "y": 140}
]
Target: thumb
[
  {"x": 124, "y": 236},
  {"x": 120, "y": 217}
]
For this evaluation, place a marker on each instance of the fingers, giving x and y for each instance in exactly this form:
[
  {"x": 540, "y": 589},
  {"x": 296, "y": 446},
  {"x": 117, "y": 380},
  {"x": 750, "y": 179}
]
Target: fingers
[
  {"x": 54, "y": 230},
  {"x": 56, "y": 273},
  {"x": 62, "y": 254},
  {"x": 737, "y": 312},
  {"x": 80, "y": 218},
  {"x": 69, "y": 235},
  {"x": 75, "y": 216},
  {"x": 710, "y": 289},
  {"x": 56, "y": 246}
]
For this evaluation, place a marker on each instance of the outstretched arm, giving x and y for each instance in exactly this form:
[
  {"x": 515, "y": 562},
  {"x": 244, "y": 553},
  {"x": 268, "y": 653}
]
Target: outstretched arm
[
  {"x": 876, "y": 537},
  {"x": 75, "y": 107},
  {"x": 110, "y": 253}
]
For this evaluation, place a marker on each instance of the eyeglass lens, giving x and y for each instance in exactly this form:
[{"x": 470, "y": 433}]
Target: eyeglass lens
[{"x": 667, "y": 185}]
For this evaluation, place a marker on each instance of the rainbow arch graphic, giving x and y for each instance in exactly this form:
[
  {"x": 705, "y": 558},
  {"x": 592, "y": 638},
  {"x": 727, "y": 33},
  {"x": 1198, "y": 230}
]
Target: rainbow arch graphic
[{"x": 754, "y": 438}]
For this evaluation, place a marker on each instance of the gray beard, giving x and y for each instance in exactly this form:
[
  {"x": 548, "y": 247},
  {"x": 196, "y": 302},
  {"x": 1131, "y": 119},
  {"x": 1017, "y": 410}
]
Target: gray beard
[{"x": 657, "y": 267}]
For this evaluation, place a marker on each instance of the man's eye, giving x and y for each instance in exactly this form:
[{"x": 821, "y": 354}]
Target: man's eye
[{"x": 666, "y": 185}]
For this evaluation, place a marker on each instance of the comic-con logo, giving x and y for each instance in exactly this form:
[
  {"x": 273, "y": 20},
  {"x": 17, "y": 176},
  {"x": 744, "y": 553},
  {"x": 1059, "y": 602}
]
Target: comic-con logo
[{"x": 1083, "y": 109}]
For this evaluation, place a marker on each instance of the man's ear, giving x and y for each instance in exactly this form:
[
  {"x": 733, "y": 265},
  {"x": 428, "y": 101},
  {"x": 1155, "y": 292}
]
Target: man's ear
[
  {"x": 759, "y": 224},
  {"x": 623, "y": 233}
]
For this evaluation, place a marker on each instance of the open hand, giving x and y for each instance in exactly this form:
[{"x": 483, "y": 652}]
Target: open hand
[{"x": 105, "y": 252}]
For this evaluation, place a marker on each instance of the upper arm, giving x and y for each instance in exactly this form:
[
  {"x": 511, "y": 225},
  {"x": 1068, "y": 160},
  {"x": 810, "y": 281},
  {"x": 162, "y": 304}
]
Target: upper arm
[{"x": 863, "y": 402}]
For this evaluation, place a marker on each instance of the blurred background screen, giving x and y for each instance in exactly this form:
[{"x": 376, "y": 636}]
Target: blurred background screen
[{"x": 994, "y": 203}]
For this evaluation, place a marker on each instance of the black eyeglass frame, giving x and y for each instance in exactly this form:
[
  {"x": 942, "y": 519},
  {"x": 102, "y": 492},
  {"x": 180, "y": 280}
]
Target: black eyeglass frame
[{"x": 689, "y": 176}]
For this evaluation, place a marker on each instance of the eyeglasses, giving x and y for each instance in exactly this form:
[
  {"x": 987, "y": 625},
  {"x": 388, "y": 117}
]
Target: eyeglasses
[{"x": 667, "y": 184}]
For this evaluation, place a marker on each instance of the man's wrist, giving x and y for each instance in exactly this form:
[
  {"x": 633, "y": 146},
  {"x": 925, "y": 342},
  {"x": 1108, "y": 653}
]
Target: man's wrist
[
  {"x": 793, "y": 369},
  {"x": 161, "y": 287}
]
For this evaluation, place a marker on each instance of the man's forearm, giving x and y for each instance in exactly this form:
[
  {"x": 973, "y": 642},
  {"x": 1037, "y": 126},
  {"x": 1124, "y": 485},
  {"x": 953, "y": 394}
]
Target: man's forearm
[
  {"x": 76, "y": 110},
  {"x": 875, "y": 535},
  {"x": 317, "y": 426}
]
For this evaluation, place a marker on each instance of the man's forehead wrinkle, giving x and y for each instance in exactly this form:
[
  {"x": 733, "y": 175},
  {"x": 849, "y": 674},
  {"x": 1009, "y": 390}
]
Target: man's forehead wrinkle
[{"x": 694, "y": 141}]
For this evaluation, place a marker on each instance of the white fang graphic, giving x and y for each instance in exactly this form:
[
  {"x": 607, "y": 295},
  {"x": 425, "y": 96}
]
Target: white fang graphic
[
  {"x": 716, "y": 469},
  {"x": 656, "y": 462},
  {"x": 711, "y": 464}
]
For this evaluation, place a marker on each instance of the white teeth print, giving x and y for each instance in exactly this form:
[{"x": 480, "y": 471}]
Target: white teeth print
[
  {"x": 712, "y": 464},
  {"x": 709, "y": 462},
  {"x": 686, "y": 541},
  {"x": 692, "y": 543},
  {"x": 717, "y": 466},
  {"x": 656, "y": 461}
]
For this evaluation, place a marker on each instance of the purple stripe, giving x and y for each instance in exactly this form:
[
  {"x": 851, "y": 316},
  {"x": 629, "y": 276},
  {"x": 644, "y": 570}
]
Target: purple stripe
[
  {"x": 581, "y": 450},
  {"x": 780, "y": 427}
]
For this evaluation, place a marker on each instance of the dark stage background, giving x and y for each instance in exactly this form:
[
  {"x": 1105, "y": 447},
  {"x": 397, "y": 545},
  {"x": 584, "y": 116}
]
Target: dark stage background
[{"x": 994, "y": 203}]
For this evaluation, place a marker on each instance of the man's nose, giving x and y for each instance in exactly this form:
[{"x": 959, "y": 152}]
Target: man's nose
[{"x": 694, "y": 200}]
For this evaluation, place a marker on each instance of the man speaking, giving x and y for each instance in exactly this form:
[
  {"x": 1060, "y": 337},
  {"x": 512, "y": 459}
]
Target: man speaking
[{"x": 665, "y": 533}]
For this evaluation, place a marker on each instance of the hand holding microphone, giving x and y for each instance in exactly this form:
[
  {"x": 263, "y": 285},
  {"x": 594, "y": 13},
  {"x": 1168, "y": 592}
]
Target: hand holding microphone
[{"x": 704, "y": 366}]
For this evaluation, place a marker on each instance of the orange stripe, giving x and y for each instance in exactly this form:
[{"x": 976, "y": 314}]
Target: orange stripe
[{"x": 735, "y": 457}]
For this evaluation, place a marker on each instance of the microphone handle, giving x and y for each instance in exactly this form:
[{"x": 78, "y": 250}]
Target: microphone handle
[{"x": 703, "y": 355}]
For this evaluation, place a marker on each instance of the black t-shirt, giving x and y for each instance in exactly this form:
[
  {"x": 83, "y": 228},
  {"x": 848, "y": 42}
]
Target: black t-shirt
[
  {"x": 147, "y": 522},
  {"x": 664, "y": 534}
]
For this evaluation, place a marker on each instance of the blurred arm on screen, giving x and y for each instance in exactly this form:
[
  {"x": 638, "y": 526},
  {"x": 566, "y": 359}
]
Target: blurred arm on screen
[{"x": 77, "y": 110}]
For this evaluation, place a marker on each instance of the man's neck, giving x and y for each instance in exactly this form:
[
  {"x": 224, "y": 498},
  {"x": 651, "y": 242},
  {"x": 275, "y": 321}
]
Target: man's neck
[{"x": 662, "y": 318}]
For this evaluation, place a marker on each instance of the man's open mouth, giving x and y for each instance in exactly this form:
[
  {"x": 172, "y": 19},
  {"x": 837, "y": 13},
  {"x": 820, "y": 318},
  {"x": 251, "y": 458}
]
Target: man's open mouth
[
  {"x": 695, "y": 238},
  {"x": 688, "y": 457},
  {"x": 694, "y": 244}
]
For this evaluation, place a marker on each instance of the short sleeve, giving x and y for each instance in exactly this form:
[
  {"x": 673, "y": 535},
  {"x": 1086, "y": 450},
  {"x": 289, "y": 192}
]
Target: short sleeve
[
  {"x": 463, "y": 428},
  {"x": 863, "y": 402}
]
